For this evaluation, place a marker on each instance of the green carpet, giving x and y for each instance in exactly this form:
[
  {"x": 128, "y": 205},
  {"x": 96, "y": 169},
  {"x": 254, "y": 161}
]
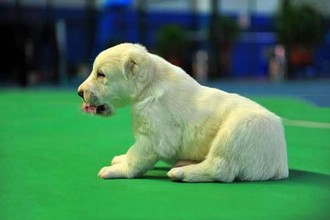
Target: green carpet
[{"x": 50, "y": 154}]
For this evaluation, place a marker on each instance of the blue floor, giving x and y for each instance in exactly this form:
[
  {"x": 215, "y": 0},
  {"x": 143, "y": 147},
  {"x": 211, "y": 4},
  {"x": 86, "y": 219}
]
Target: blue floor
[{"x": 316, "y": 91}]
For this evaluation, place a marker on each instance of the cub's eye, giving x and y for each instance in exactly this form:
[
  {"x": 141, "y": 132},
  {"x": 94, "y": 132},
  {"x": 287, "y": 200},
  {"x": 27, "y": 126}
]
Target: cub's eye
[{"x": 99, "y": 74}]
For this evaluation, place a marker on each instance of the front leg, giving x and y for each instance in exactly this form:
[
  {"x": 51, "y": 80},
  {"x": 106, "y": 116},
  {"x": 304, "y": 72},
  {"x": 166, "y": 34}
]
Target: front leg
[
  {"x": 135, "y": 162},
  {"x": 118, "y": 159}
]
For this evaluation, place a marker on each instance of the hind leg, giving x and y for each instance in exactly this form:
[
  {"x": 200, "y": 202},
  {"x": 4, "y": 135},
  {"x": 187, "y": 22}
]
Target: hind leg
[
  {"x": 250, "y": 147},
  {"x": 183, "y": 163},
  {"x": 219, "y": 164}
]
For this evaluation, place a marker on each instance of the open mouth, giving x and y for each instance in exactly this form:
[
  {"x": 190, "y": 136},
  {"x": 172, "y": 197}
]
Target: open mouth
[{"x": 103, "y": 110}]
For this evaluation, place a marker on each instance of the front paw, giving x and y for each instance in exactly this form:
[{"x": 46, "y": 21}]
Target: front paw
[
  {"x": 112, "y": 172},
  {"x": 117, "y": 171},
  {"x": 106, "y": 172}
]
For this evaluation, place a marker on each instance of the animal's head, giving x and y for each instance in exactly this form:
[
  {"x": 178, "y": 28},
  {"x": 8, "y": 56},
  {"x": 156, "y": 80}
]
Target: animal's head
[{"x": 119, "y": 75}]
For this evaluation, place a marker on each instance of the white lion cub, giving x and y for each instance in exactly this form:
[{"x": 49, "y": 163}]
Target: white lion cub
[{"x": 210, "y": 134}]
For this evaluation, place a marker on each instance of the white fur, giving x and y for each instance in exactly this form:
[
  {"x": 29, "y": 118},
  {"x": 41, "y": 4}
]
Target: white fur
[{"x": 223, "y": 136}]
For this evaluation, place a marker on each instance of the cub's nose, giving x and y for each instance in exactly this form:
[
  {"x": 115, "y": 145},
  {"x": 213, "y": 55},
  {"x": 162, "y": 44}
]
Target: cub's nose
[{"x": 80, "y": 93}]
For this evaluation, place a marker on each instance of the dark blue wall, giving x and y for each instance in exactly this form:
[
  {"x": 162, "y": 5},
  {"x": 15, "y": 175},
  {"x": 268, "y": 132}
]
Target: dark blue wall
[{"x": 120, "y": 24}]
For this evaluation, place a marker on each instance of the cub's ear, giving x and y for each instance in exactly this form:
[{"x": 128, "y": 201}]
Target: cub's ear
[{"x": 133, "y": 63}]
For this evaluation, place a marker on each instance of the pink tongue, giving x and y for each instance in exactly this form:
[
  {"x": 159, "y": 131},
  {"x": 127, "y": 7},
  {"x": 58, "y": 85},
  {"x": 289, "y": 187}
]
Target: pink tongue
[{"x": 89, "y": 108}]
